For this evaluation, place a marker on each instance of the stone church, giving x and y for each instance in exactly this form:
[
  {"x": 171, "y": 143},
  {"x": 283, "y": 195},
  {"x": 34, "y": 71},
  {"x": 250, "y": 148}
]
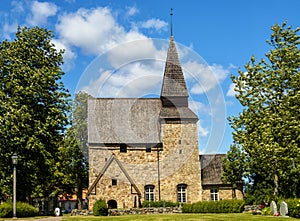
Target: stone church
[{"x": 147, "y": 148}]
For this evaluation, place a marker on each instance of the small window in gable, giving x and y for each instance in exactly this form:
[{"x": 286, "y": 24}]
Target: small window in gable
[{"x": 114, "y": 182}]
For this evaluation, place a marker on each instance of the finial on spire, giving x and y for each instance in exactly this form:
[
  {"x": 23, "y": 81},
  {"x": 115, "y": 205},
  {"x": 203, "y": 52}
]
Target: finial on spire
[{"x": 171, "y": 15}]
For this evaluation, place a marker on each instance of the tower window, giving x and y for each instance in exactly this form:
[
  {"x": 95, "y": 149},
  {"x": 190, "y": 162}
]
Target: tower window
[
  {"x": 114, "y": 182},
  {"x": 214, "y": 194},
  {"x": 181, "y": 193},
  {"x": 148, "y": 148},
  {"x": 123, "y": 148},
  {"x": 149, "y": 193}
]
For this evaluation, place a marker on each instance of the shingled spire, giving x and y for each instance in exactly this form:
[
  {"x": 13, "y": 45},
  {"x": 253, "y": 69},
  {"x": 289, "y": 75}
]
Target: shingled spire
[
  {"x": 174, "y": 91},
  {"x": 174, "y": 94}
]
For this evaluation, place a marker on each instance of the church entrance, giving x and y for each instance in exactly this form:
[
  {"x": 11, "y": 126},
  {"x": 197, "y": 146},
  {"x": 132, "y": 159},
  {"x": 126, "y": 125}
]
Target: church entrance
[{"x": 112, "y": 204}]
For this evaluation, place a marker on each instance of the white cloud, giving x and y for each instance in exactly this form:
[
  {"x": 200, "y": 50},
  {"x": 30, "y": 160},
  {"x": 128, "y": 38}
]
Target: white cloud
[
  {"x": 135, "y": 79},
  {"x": 131, "y": 11},
  {"x": 208, "y": 77},
  {"x": 8, "y": 29},
  {"x": 94, "y": 31},
  {"x": 40, "y": 12},
  {"x": 69, "y": 55},
  {"x": 156, "y": 24},
  {"x": 231, "y": 92},
  {"x": 17, "y": 6}
]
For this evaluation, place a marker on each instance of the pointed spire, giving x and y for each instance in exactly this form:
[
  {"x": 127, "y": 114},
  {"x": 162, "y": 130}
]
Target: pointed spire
[
  {"x": 174, "y": 91},
  {"x": 171, "y": 22}
]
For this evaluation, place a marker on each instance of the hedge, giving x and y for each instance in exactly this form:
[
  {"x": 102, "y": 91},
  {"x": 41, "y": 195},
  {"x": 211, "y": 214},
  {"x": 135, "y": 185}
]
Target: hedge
[
  {"x": 223, "y": 206},
  {"x": 293, "y": 207},
  {"x": 100, "y": 208},
  {"x": 23, "y": 210},
  {"x": 157, "y": 204}
]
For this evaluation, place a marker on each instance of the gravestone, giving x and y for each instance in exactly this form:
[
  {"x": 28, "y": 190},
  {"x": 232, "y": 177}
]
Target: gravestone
[
  {"x": 273, "y": 208},
  {"x": 283, "y": 209}
]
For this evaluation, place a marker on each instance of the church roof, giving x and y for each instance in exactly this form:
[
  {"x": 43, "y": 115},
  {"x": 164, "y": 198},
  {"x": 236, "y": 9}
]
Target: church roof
[
  {"x": 173, "y": 82},
  {"x": 211, "y": 168},
  {"x": 182, "y": 113},
  {"x": 122, "y": 120}
]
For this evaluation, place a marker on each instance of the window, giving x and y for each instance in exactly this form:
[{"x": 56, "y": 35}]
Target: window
[
  {"x": 113, "y": 182},
  {"x": 149, "y": 193},
  {"x": 214, "y": 194},
  {"x": 148, "y": 148},
  {"x": 181, "y": 193},
  {"x": 123, "y": 148}
]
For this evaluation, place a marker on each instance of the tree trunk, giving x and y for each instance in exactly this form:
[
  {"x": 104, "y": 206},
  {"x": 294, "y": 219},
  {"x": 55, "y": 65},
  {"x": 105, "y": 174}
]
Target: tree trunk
[{"x": 275, "y": 185}]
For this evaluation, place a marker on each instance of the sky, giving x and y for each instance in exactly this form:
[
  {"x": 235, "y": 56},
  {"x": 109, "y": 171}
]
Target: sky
[{"x": 118, "y": 48}]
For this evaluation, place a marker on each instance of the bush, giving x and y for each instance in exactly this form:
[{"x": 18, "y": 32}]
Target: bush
[
  {"x": 100, "y": 208},
  {"x": 159, "y": 204},
  {"x": 266, "y": 211},
  {"x": 224, "y": 206},
  {"x": 23, "y": 210},
  {"x": 293, "y": 207}
]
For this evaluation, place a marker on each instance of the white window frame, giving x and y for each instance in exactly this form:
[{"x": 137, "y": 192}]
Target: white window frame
[
  {"x": 214, "y": 194},
  {"x": 182, "y": 193},
  {"x": 149, "y": 193}
]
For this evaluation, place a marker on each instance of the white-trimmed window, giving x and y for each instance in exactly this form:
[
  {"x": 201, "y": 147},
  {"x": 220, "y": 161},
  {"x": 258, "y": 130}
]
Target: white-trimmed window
[
  {"x": 214, "y": 194},
  {"x": 149, "y": 192},
  {"x": 181, "y": 193}
]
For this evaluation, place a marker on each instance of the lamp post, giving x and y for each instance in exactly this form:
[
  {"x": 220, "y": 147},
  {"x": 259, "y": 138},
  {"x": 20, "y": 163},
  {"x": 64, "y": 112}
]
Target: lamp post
[{"x": 15, "y": 162}]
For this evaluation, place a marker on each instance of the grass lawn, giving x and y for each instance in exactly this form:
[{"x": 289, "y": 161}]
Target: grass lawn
[{"x": 179, "y": 217}]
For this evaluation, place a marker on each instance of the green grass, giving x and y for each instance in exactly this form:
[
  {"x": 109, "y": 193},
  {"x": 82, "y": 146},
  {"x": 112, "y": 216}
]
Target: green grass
[{"x": 180, "y": 217}]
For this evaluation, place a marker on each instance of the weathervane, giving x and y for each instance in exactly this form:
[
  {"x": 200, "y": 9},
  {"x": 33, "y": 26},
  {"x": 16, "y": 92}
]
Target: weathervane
[{"x": 171, "y": 15}]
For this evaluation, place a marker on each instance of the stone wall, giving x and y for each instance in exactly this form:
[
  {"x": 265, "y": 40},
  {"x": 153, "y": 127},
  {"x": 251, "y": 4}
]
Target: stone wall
[
  {"x": 225, "y": 192},
  {"x": 148, "y": 210},
  {"x": 178, "y": 164}
]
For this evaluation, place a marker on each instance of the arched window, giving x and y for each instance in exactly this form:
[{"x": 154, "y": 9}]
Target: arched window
[
  {"x": 181, "y": 193},
  {"x": 149, "y": 192}
]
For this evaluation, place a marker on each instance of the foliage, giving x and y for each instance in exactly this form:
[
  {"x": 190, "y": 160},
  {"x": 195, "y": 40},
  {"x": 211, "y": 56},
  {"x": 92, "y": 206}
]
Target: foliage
[
  {"x": 235, "y": 167},
  {"x": 80, "y": 120},
  {"x": 268, "y": 128},
  {"x": 293, "y": 207},
  {"x": 159, "y": 204},
  {"x": 100, "y": 208},
  {"x": 73, "y": 172},
  {"x": 223, "y": 206},
  {"x": 266, "y": 211},
  {"x": 23, "y": 210},
  {"x": 33, "y": 111}
]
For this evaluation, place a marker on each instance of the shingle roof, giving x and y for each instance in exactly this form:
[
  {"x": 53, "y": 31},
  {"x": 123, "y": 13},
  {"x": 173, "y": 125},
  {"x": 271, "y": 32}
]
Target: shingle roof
[
  {"x": 182, "y": 113},
  {"x": 173, "y": 82},
  {"x": 127, "y": 121},
  {"x": 211, "y": 168}
]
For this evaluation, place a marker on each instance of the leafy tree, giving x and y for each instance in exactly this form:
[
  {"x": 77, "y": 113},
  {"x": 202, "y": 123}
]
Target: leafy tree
[
  {"x": 268, "y": 129},
  {"x": 235, "y": 167},
  {"x": 33, "y": 111},
  {"x": 80, "y": 120},
  {"x": 72, "y": 173}
]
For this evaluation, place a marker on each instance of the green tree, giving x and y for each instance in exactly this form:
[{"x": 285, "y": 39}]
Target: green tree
[
  {"x": 81, "y": 134},
  {"x": 72, "y": 173},
  {"x": 268, "y": 129},
  {"x": 235, "y": 167},
  {"x": 33, "y": 111},
  {"x": 80, "y": 120}
]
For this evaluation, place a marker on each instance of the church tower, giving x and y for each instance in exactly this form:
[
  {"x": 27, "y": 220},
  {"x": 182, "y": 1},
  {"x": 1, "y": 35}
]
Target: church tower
[{"x": 181, "y": 168}]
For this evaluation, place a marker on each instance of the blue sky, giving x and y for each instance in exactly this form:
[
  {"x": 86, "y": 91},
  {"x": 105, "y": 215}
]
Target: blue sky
[{"x": 117, "y": 48}]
